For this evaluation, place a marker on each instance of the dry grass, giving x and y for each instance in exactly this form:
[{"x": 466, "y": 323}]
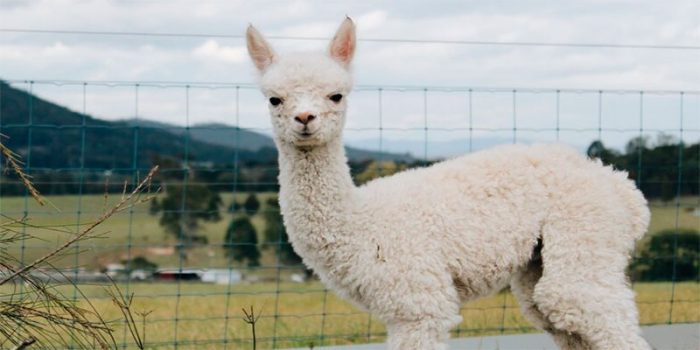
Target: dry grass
[
  {"x": 34, "y": 311},
  {"x": 201, "y": 311},
  {"x": 296, "y": 315}
]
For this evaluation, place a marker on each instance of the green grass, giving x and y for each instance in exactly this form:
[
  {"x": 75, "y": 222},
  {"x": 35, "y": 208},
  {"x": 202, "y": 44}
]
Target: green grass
[
  {"x": 202, "y": 311},
  {"x": 305, "y": 312},
  {"x": 663, "y": 214},
  {"x": 137, "y": 230},
  {"x": 133, "y": 230}
]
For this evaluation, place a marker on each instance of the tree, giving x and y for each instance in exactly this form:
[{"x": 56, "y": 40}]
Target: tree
[
  {"x": 668, "y": 251},
  {"x": 139, "y": 263},
  {"x": 251, "y": 204},
  {"x": 636, "y": 144},
  {"x": 664, "y": 139},
  {"x": 154, "y": 207},
  {"x": 276, "y": 234},
  {"x": 241, "y": 242},
  {"x": 656, "y": 168},
  {"x": 234, "y": 206},
  {"x": 184, "y": 206},
  {"x": 597, "y": 150}
]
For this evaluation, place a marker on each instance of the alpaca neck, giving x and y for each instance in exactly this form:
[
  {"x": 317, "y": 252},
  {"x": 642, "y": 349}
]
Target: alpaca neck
[{"x": 315, "y": 194}]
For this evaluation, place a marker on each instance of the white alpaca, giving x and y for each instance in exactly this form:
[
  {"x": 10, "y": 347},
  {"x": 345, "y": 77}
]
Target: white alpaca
[{"x": 409, "y": 248}]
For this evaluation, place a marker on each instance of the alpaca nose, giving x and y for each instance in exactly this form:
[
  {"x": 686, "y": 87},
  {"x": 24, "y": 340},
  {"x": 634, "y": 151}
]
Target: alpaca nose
[{"x": 305, "y": 118}]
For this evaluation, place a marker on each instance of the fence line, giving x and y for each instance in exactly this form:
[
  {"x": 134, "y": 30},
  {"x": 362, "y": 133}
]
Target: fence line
[{"x": 298, "y": 314}]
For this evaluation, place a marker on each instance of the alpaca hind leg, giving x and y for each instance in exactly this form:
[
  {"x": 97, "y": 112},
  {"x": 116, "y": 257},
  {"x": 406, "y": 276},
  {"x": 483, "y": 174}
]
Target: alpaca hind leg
[
  {"x": 523, "y": 287},
  {"x": 425, "y": 334},
  {"x": 583, "y": 289}
]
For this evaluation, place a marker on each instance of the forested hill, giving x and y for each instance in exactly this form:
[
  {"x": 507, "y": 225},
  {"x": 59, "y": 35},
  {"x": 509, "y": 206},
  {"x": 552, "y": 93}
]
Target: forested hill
[
  {"x": 58, "y": 138},
  {"x": 233, "y": 137}
]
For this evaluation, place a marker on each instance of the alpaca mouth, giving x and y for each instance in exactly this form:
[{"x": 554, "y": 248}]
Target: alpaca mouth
[
  {"x": 305, "y": 134},
  {"x": 305, "y": 139}
]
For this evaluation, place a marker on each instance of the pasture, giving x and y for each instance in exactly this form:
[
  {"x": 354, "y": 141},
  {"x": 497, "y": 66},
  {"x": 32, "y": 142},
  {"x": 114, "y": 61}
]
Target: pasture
[
  {"x": 131, "y": 233},
  {"x": 209, "y": 316},
  {"x": 300, "y": 314}
]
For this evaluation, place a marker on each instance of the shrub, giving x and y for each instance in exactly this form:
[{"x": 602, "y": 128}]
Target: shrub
[
  {"x": 241, "y": 242},
  {"x": 666, "y": 248},
  {"x": 251, "y": 204}
]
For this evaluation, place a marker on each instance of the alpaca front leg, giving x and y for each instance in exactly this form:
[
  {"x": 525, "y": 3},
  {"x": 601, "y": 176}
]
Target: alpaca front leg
[{"x": 424, "y": 334}]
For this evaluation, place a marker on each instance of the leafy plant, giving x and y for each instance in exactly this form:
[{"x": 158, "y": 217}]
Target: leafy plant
[{"x": 241, "y": 242}]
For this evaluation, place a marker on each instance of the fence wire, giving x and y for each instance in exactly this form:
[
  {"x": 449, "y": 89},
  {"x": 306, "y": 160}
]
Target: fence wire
[{"x": 175, "y": 255}]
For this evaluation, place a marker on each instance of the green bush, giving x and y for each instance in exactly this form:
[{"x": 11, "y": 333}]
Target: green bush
[
  {"x": 276, "y": 235},
  {"x": 241, "y": 242},
  {"x": 251, "y": 204},
  {"x": 139, "y": 263},
  {"x": 666, "y": 248}
]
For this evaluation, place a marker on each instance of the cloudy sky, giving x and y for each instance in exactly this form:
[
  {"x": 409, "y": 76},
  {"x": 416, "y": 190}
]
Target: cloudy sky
[{"x": 219, "y": 56}]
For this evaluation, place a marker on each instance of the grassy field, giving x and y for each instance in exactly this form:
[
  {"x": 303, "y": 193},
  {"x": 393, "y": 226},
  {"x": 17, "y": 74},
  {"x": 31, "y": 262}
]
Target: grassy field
[
  {"x": 304, "y": 314},
  {"x": 131, "y": 233},
  {"x": 294, "y": 315}
]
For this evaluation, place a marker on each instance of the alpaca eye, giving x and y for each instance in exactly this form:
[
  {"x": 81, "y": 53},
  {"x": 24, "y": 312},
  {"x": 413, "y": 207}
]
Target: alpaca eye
[
  {"x": 336, "y": 98},
  {"x": 275, "y": 101}
]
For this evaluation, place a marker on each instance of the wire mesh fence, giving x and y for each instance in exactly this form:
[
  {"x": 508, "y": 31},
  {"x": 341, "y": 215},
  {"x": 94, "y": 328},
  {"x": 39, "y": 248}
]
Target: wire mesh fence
[{"x": 212, "y": 242}]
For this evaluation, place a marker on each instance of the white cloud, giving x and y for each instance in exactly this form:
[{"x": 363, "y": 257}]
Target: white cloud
[
  {"x": 371, "y": 21},
  {"x": 212, "y": 50},
  {"x": 73, "y": 57},
  {"x": 57, "y": 49}
]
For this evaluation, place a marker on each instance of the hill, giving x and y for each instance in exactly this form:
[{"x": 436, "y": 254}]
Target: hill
[
  {"x": 234, "y": 137},
  {"x": 51, "y": 136}
]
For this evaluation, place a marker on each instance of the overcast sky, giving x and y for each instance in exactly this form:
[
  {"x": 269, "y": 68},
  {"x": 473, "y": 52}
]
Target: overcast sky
[{"x": 215, "y": 59}]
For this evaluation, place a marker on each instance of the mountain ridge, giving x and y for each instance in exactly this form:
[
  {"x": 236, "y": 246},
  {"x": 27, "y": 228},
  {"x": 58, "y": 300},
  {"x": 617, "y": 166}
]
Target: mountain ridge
[{"x": 49, "y": 135}]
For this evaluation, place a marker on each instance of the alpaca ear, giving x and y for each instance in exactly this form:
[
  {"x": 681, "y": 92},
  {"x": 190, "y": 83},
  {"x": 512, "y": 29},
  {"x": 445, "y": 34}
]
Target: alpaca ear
[
  {"x": 258, "y": 49},
  {"x": 342, "y": 46}
]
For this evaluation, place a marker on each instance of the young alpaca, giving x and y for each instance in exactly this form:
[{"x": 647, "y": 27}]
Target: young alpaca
[{"x": 409, "y": 248}]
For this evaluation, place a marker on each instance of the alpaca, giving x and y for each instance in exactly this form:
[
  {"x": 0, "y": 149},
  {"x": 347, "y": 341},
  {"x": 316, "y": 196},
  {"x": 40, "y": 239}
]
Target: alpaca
[{"x": 411, "y": 247}]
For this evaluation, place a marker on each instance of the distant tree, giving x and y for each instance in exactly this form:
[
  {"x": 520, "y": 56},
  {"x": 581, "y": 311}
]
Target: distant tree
[
  {"x": 234, "y": 206},
  {"x": 276, "y": 235},
  {"x": 656, "y": 168},
  {"x": 154, "y": 207},
  {"x": 184, "y": 206},
  {"x": 251, "y": 204},
  {"x": 241, "y": 242},
  {"x": 664, "y": 139},
  {"x": 664, "y": 250},
  {"x": 139, "y": 263},
  {"x": 597, "y": 150},
  {"x": 636, "y": 144}
]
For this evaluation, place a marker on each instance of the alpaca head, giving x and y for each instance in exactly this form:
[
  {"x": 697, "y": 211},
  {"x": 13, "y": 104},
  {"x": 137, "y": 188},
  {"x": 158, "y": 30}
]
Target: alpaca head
[{"x": 306, "y": 92}]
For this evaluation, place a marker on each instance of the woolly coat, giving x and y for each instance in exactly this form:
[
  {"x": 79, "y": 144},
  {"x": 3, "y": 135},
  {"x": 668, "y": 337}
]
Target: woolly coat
[{"x": 456, "y": 230}]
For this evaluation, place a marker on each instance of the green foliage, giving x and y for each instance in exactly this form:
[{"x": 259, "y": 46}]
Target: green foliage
[
  {"x": 241, "y": 242},
  {"x": 598, "y": 150},
  {"x": 251, "y": 204},
  {"x": 139, "y": 263},
  {"x": 276, "y": 234},
  {"x": 234, "y": 206},
  {"x": 183, "y": 209},
  {"x": 657, "y": 166},
  {"x": 666, "y": 248},
  {"x": 154, "y": 207}
]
